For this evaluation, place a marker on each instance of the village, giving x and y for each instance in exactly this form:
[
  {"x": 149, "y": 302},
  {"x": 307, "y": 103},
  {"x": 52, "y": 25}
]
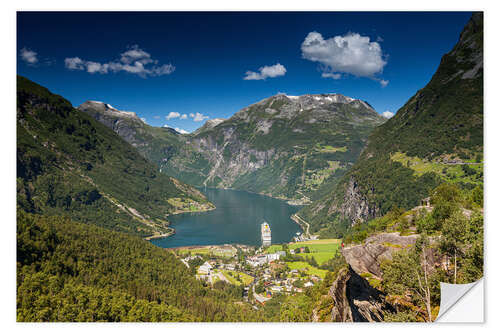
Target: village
[{"x": 265, "y": 272}]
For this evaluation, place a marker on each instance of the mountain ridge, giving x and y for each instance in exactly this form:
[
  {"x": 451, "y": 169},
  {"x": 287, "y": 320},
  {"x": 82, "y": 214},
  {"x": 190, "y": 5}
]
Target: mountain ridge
[
  {"x": 256, "y": 148},
  {"x": 436, "y": 136},
  {"x": 68, "y": 164}
]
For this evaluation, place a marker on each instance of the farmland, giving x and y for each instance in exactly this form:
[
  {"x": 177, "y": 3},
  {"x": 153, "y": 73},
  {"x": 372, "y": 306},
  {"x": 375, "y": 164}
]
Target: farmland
[{"x": 321, "y": 249}]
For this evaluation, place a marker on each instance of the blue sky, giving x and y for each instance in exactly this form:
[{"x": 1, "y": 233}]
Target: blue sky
[{"x": 195, "y": 64}]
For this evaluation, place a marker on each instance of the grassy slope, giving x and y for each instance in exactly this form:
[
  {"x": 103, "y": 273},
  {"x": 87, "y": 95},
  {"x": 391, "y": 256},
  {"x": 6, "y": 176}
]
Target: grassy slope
[
  {"x": 308, "y": 269},
  {"x": 154, "y": 143},
  {"x": 442, "y": 120},
  {"x": 230, "y": 275},
  {"x": 68, "y": 163}
]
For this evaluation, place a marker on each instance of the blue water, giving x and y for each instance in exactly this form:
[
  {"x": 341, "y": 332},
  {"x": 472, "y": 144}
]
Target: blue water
[{"x": 237, "y": 219}]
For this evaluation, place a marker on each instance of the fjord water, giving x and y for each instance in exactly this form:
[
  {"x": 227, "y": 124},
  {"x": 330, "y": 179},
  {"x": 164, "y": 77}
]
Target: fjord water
[{"x": 237, "y": 219}]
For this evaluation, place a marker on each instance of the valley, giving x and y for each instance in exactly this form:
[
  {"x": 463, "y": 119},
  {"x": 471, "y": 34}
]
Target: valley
[
  {"x": 236, "y": 219},
  {"x": 296, "y": 208},
  {"x": 284, "y": 146}
]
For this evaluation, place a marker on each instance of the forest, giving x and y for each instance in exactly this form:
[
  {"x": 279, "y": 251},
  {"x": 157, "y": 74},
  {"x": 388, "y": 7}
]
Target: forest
[{"x": 69, "y": 271}]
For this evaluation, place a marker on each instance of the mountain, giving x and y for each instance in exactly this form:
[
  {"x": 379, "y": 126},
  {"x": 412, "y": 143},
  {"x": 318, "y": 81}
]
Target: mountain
[
  {"x": 70, "y": 164},
  {"x": 283, "y": 146},
  {"x": 209, "y": 124},
  {"x": 154, "y": 143},
  {"x": 437, "y": 136}
]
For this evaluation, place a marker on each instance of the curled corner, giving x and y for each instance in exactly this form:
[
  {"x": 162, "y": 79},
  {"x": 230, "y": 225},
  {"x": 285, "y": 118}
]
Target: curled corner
[{"x": 461, "y": 303}]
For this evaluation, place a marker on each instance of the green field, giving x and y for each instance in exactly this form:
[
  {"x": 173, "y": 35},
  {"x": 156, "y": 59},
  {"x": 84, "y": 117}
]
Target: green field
[
  {"x": 449, "y": 172},
  {"x": 330, "y": 149},
  {"x": 246, "y": 279},
  {"x": 321, "y": 249},
  {"x": 320, "y": 257},
  {"x": 308, "y": 269}
]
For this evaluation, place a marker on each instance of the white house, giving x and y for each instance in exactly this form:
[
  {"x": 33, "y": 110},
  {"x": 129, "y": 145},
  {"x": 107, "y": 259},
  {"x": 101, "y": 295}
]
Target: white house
[
  {"x": 205, "y": 268},
  {"x": 272, "y": 257},
  {"x": 276, "y": 289}
]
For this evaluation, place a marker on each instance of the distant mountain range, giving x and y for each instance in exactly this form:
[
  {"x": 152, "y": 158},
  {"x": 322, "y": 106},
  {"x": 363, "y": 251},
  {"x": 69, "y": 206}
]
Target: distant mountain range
[{"x": 283, "y": 146}]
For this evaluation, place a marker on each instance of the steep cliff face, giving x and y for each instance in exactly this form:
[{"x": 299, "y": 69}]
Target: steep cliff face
[
  {"x": 354, "y": 300},
  {"x": 125, "y": 123},
  {"x": 438, "y": 129},
  {"x": 354, "y": 206}
]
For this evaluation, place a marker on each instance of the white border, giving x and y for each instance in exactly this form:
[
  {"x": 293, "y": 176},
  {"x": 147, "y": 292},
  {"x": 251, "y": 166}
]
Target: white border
[{"x": 7, "y": 166}]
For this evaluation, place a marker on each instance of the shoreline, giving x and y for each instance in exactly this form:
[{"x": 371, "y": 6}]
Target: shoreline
[
  {"x": 297, "y": 219},
  {"x": 172, "y": 230},
  {"x": 289, "y": 201},
  {"x": 294, "y": 219},
  {"x": 187, "y": 211},
  {"x": 160, "y": 235},
  {"x": 194, "y": 247}
]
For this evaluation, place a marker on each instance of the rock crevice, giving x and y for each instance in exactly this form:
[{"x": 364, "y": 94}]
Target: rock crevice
[{"x": 354, "y": 300}]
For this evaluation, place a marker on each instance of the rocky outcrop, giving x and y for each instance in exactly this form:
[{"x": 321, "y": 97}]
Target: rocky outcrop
[
  {"x": 367, "y": 257},
  {"x": 124, "y": 123},
  {"x": 354, "y": 300},
  {"x": 209, "y": 124}
]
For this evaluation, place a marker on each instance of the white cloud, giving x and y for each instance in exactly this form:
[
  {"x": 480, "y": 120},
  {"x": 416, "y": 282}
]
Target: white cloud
[
  {"x": 135, "y": 54},
  {"x": 29, "y": 56},
  {"x": 144, "y": 120},
  {"x": 191, "y": 115},
  {"x": 95, "y": 67},
  {"x": 134, "y": 61},
  {"x": 180, "y": 130},
  {"x": 387, "y": 114},
  {"x": 156, "y": 117},
  {"x": 162, "y": 70},
  {"x": 334, "y": 76},
  {"x": 384, "y": 83},
  {"x": 173, "y": 115},
  {"x": 199, "y": 117},
  {"x": 74, "y": 63},
  {"x": 265, "y": 72},
  {"x": 351, "y": 54},
  {"x": 184, "y": 116}
]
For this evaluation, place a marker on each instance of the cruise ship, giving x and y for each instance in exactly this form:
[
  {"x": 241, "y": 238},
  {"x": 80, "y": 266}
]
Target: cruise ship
[{"x": 265, "y": 231}]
